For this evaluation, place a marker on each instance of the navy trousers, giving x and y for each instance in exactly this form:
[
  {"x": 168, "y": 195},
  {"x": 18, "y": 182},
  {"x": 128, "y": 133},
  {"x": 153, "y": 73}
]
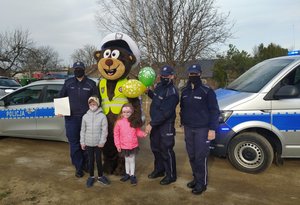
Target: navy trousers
[
  {"x": 197, "y": 147},
  {"x": 78, "y": 156},
  {"x": 94, "y": 154},
  {"x": 162, "y": 141}
]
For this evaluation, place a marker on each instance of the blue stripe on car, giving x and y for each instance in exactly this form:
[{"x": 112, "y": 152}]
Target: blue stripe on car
[
  {"x": 287, "y": 121},
  {"x": 282, "y": 121},
  {"x": 45, "y": 112},
  {"x": 27, "y": 113}
]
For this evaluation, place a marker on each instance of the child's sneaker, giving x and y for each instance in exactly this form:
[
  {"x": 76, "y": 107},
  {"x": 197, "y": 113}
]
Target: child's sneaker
[
  {"x": 103, "y": 180},
  {"x": 125, "y": 178},
  {"x": 90, "y": 182},
  {"x": 133, "y": 180}
]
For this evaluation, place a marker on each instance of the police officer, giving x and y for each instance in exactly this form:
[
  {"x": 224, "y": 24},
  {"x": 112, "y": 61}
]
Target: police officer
[
  {"x": 78, "y": 88},
  {"x": 199, "y": 112},
  {"x": 162, "y": 136}
]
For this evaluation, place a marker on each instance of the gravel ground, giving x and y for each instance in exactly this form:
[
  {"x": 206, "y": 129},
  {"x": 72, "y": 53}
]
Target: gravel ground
[{"x": 39, "y": 172}]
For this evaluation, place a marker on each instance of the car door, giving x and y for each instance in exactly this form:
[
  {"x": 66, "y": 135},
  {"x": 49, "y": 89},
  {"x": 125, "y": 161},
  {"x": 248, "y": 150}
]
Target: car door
[
  {"x": 49, "y": 126},
  {"x": 286, "y": 116},
  {"x": 18, "y": 116}
]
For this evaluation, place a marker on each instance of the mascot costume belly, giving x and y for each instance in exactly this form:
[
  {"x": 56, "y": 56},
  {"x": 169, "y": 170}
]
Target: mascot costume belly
[{"x": 118, "y": 55}]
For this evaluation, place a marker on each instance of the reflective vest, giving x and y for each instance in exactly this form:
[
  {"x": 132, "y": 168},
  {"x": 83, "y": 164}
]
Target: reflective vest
[{"x": 117, "y": 101}]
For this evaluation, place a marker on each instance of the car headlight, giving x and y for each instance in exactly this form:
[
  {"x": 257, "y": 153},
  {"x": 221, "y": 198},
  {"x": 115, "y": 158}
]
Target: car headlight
[{"x": 224, "y": 115}]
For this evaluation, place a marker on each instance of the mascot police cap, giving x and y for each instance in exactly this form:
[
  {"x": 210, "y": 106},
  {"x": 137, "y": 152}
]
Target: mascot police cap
[{"x": 123, "y": 37}]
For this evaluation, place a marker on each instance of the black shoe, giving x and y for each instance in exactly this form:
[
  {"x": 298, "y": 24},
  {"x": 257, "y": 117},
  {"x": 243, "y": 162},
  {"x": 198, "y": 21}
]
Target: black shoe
[
  {"x": 133, "y": 180},
  {"x": 167, "y": 180},
  {"x": 79, "y": 173},
  {"x": 90, "y": 181},
  {"x": 191, "y": 184},
  {"x": 125, "y": 178},
  {"x": 198, "y": 190},
  {"x": 103, "y": 180},
  {"x": 156, "y": 174}
]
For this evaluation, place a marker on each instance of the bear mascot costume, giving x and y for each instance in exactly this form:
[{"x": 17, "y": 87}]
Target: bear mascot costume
[{"x": 118, "y": 55}]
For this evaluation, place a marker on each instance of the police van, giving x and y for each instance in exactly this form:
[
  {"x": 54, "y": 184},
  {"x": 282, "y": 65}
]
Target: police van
[{"x": 260, "y": 115}]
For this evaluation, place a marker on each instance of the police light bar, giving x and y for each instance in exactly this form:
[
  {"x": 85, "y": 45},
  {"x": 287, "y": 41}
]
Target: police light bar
[{"x": 292, "y": 53}]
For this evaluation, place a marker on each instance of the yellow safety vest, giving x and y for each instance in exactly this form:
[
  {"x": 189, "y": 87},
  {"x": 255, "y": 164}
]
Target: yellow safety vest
[{"x": 117, "y": 101}]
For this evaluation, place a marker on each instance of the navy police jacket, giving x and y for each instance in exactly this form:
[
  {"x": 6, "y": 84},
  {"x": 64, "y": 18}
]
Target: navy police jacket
[
  {"x": 199, "y": 107},
  {"x": 163, "y": 106},
  {"x": 79, "y": 93}
]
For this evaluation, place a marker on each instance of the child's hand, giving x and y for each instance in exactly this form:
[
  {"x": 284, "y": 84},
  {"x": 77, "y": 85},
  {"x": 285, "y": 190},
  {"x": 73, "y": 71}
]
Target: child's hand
[
  {"x": 148, "y": 129},
  {"x": 83, "y": 146},
  {"x": 100, "y": 145},
  {"x": 119, "y": 149},
  {"x": 211, "y": 135}
]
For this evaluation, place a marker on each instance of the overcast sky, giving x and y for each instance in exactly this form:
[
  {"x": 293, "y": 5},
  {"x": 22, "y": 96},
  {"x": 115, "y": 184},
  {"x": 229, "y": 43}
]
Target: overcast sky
[
  {"x": 263, "y": 21},
  {"x": 66, "y": 25}
]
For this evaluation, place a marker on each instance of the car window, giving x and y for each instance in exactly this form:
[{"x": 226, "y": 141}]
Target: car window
[
  {"x": 297, "y": 77},
  {"x": 52, "y": 92},
  {"x": 293, "y": 78},
  {"x": 259, "y": 75},
  {"x": 27, "y": 95},
  {"x": 9, "y": 83}
]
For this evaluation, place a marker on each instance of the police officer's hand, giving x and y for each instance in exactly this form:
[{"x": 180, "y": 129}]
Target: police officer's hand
[
  {"x": 100, "y": 145},
  {"x": 148, "y": 128},
  {"x": 151, "y": 87},
  {"x": 83, "y": 146},
  {"x": 59, "y": 115},
  {"x": 211, "y": 135}
]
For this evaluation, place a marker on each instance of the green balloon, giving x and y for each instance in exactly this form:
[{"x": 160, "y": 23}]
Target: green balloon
[{"x": 147, "y": 76}]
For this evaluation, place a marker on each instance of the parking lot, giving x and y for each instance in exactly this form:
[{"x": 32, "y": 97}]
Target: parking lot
[{"x": 39, "y": 172}]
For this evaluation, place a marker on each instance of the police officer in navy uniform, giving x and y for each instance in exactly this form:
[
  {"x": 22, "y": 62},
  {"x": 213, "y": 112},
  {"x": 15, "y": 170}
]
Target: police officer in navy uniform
[
  {"x": 199, "y": 112},
  {"x": 162, "y": 136},
  {"x": 78, "y": 88}
]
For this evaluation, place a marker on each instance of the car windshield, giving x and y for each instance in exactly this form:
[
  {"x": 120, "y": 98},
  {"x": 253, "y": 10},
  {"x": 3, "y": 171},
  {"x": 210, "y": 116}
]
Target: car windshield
[
  {"x": 259, "y": 75},
  {"x": 9, "y": 83}
]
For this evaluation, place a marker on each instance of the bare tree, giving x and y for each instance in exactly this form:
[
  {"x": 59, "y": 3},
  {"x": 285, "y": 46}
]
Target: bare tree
[
  {"x": 85, "y": 55},
  {"x": 42, "y": 59},
  {"x": 13, "y": 48},
  {"x": 168, "y": 31}
]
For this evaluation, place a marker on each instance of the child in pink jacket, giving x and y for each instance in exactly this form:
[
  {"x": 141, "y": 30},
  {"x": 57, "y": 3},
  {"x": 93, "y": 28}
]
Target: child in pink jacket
[{"x": 126, "y": 140}]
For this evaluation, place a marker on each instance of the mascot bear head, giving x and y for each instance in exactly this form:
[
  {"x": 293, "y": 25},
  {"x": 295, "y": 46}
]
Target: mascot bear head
[{"x": 118, "y": 54}]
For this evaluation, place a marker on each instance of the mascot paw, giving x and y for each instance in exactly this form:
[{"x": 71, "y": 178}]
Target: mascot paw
[
  {"x": 120, "y": 169},
  {"x": 108, "y": 167}
]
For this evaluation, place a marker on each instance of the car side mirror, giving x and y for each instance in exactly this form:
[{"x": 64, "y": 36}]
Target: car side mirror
[{"x": 287, "y": 91}]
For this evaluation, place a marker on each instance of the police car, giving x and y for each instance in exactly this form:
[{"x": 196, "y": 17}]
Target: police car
[
  {"x": 29, "y": 112},
  {"x": 8, "y": 85},
  {"x": 260, "y": 120}
]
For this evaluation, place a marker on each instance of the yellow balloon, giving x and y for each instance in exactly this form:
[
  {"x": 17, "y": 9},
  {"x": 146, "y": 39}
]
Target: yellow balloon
[{"x": 133, "y": 88}]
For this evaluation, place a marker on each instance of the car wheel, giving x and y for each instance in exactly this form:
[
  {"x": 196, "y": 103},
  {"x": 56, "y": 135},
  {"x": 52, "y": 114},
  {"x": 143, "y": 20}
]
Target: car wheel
[{"x": 250, "y": 152}]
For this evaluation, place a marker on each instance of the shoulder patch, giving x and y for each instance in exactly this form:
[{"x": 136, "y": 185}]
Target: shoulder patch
[
  {"x": 69, "y": 81},
  {"x": 171, "y": 91},
  {"x": 205, "y": 88}
]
